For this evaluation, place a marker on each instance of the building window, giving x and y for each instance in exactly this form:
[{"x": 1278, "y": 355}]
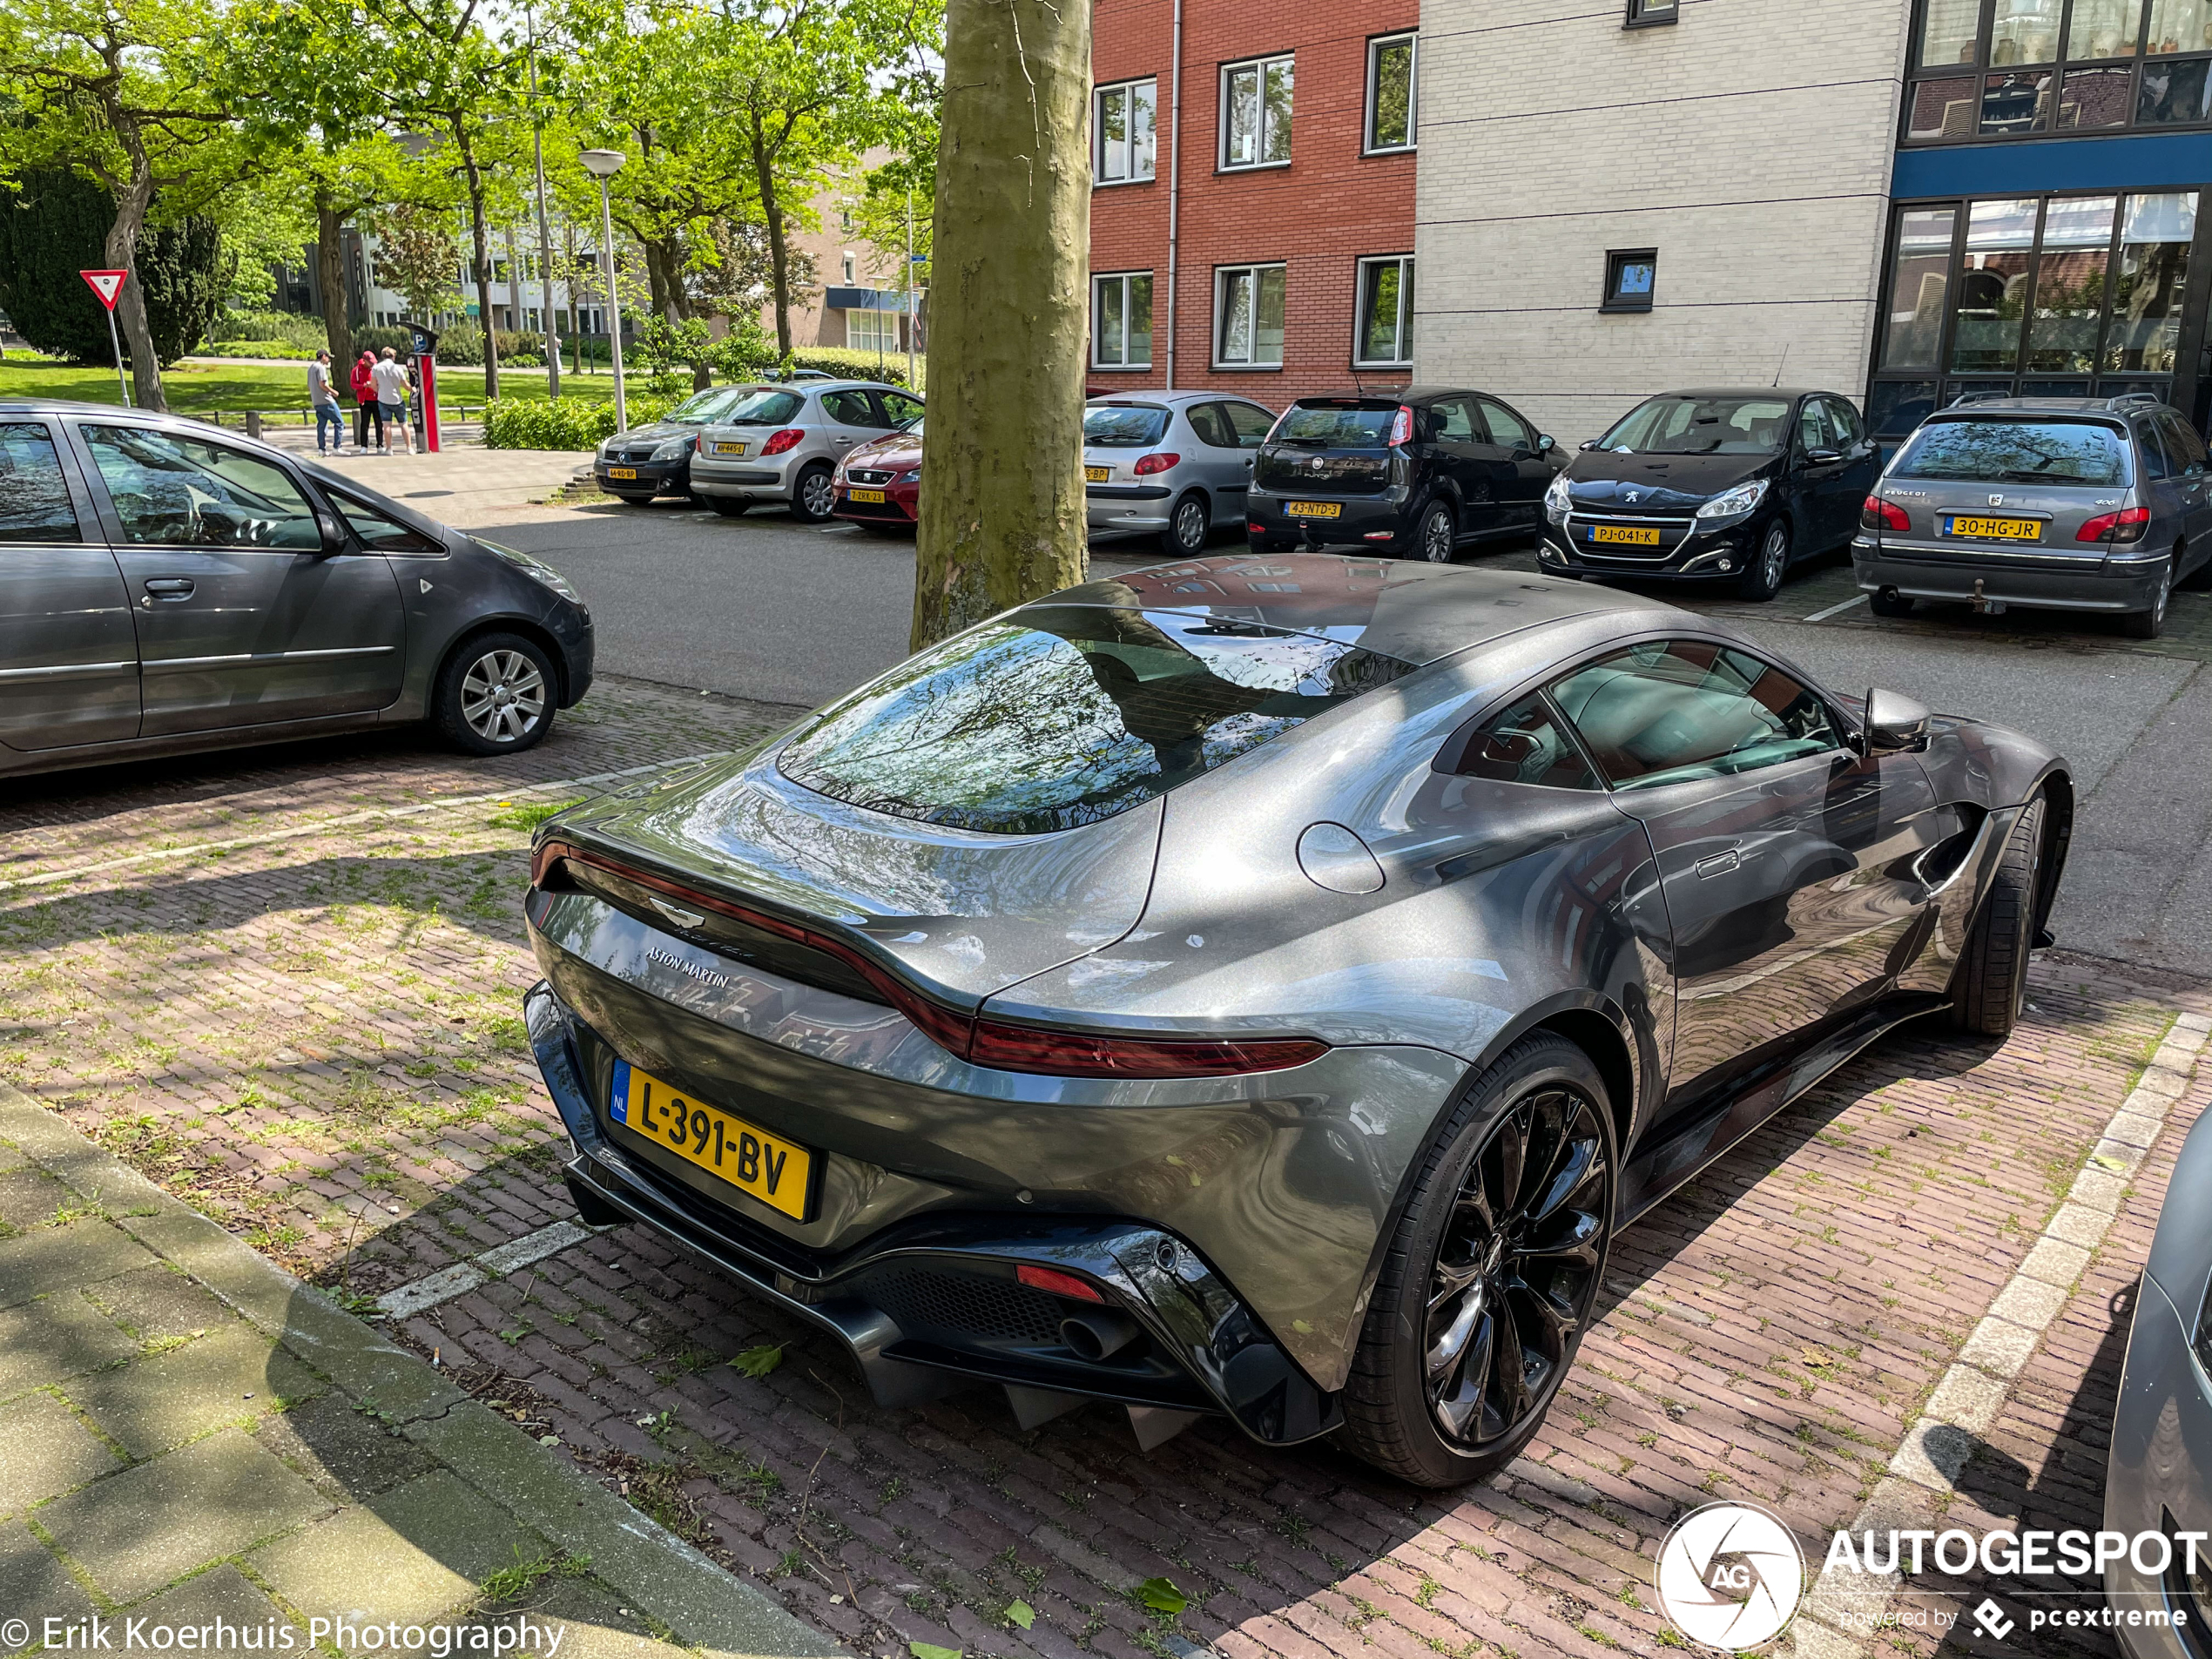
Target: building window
[
  {"x": 1121, "y": 121},
  {"x": 1248, "y": 316},
  {"x": 2056, "y": 296},
  {"x": 2035, "y": 67},
  {"x": 1643, "y": 13},
  {"x": 1386, "y": 312},
  {"x": 1255, "y": 114},
  {"x": 851, "y": 270},
  {"x": 1390, "y": 91},
  {"x": 1121, "y": 321},
  {"x": 871, "y": 330},
  {"x": 1631, "y": 276}
]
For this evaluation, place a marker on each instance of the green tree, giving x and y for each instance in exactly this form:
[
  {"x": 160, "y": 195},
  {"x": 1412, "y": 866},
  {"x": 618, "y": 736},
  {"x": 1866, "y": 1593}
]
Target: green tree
[
  {"x": 58, "y": 224},
  {"x": 416, "y": 256}
]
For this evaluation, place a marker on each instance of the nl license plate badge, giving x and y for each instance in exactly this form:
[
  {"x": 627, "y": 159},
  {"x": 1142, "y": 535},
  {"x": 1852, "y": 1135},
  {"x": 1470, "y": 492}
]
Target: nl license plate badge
[
  {"x": 1626, "y": 535},
  {"x": 779, "y": 1173},
  {"x": 864, "y": 495},
  {"x": 1994, "y": 529},
  {"x": 621, "y": 472},
  {"x": 723, "y": 449},
  {"x": 1097, "y": 474},
  {"x": 1313, "y": 508}
]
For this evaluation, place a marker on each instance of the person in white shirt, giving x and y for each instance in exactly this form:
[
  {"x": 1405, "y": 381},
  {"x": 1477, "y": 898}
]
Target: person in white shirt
[{"x": 392, "y": 389}]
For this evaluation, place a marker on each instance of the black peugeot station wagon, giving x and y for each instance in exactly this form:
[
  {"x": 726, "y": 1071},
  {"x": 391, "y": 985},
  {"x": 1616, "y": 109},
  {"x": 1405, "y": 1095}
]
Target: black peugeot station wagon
[
  {"x": 1727, "y": 484},
  {"x": 1414, "y": 475}
]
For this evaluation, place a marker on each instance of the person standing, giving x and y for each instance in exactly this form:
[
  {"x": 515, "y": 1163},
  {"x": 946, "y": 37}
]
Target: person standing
[
  {"x": 392, "y": 388},
  {"x": 364, "y": 384},
  {"x": 323, "y": 397}
]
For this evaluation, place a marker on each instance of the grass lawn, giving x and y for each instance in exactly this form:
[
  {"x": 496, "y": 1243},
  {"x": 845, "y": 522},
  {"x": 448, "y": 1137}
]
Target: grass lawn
[{"x": 208, "y": 388}]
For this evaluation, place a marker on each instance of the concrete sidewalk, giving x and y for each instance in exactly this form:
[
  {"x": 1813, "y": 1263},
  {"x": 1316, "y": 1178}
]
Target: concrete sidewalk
[
  {"x": 462, "y": 484},
  {"x": 190, "y": 1436}
]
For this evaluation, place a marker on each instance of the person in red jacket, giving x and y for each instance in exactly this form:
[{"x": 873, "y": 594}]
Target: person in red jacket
[{"x": 364, "y": 386}]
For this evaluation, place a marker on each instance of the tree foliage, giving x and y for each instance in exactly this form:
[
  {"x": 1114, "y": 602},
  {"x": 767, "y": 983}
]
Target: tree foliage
[{"x": 55, "y": 226}]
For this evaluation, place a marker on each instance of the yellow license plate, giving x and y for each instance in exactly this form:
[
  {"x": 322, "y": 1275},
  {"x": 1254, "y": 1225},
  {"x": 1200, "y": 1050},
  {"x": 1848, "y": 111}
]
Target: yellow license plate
[
  {"x": 1632, "y": 535},
  {"x": 1097, "y": 474},
  {"x": 864, "y": 495},
  {"x": 757, "y": 1163},
  {"x": 1313, "y": 508},
  {"x": 1995, "y": 529},
  {"x": 722, "y": 448},
  {"x": 621, "y": 472}
]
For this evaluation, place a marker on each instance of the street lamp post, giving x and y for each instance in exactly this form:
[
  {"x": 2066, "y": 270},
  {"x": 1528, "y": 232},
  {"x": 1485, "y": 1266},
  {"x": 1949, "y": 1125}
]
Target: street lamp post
[{"x": 603, "y": 166}]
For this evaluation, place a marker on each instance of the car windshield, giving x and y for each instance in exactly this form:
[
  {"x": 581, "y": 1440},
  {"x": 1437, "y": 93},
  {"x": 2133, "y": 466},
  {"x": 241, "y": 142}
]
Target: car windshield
[
  {"x": 1748, "y": 425},
  {"x": 2014, "y": 452},
  {"x": 1061, "y": 715},
  {"x": 749, "y": 406},
  {"x": 1124, "y": 426},
  {"x": 1335, "y": 428}
]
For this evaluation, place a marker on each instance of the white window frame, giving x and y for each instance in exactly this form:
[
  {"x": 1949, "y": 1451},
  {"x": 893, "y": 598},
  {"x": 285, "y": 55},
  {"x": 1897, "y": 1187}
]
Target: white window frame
[
  {"x": 1222, "y": 276},
  {"x": 884, "y": 329},
  {"x": 1404, "y": 262},
  {"x": 1098, "y": 282},
  {"x": 1260, "y": 66},
  {"x": 1411, "y": 39},
  {"x": 1140, "y": 159}
]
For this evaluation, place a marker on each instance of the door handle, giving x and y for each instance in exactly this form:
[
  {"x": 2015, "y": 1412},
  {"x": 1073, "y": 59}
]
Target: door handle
[
  {"x": 1719, "y": 864},
  {"x": 169, "y": 587}
]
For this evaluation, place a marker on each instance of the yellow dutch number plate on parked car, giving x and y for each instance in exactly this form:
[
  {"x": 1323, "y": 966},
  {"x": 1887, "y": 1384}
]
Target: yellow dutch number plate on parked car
[
  {"x": 1997, "y": 529},
  {"x": 1633, "y": 535},
  {"x": 764, "y": 1165},
  {"x": 864, "y": 495},
  {"x": 1097, "y": 474},
  {"x": 621, "y": 472},
  {"x": 722, "y": 448},
  {"x": 1313, "y": 508}
]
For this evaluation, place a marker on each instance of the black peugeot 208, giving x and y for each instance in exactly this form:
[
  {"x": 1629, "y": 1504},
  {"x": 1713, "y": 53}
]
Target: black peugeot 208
[{"x": 1727, "y": 485}]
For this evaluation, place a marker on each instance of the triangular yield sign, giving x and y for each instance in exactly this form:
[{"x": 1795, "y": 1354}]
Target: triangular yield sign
[{"x": 106, "y": 284}]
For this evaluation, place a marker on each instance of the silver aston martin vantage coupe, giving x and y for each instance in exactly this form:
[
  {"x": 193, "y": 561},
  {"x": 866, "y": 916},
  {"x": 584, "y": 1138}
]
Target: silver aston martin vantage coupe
[{"x": 1262, "y": 986}]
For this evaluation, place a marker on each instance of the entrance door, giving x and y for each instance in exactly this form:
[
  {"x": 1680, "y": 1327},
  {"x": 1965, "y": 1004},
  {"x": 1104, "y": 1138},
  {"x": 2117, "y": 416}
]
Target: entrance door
[
  {"x": 69, "y": 657},
  {"x": 243, "y": 619}
]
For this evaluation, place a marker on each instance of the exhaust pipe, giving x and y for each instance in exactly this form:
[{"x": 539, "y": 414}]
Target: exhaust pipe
[{"x": 1095, "y": 1337}]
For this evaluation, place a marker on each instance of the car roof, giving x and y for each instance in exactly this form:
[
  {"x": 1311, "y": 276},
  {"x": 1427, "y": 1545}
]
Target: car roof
[
  {"x": 1776, "y": 392},
  {"x": 1415, "y": 612},
  {"x": 2100, "y": 406}
]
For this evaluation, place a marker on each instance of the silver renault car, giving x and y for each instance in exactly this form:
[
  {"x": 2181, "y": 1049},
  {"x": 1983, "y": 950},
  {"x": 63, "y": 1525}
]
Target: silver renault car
[
  {"x": 781, "y": 444},
  {"x": 1171, "y": 465},
  {"x": 2093, "y": 504}
]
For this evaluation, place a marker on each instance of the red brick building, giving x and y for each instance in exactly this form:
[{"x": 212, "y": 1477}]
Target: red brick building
[{"x": 1252, "y": 218}]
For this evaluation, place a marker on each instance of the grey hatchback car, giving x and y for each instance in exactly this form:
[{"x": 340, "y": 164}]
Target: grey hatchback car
[
  {"x": 781, "y": 444},
  {"x": 2093, "y": 504},
  {"x": 165, "y": 587},
  {"x": 1171, "y": 465}
]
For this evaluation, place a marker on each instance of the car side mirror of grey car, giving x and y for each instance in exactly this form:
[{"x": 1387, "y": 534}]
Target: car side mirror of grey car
[
  {"x": 1894, "y": 724},
  {"x": 334, "y": 535}
]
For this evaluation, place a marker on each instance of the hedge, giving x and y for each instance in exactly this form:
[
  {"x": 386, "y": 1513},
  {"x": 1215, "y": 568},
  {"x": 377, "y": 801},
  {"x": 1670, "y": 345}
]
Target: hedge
[
  {"x": 561, "y": 422},
  {"x": 847, "y": 364}
]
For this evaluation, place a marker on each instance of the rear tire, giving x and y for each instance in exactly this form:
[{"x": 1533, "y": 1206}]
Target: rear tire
[
  {"x": 2148, "y": 624},
  {"x": 1187, "y": 522},
  {"x": 1485, "y": 1290},
  {"x": 1992, "y": 980},
  {"x": 1887, "y": 602},
  {"x": 495, "y": 695},
  {"x": 814, "y": 497},
  {"x": 1438, "y": 536},
  {"x": 1762, "y": 578},
  {"x": 727, "y": 506}
]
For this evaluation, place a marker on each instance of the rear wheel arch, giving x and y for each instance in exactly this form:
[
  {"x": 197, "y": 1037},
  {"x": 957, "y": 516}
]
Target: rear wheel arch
[{"x": 2057, "y": 789}]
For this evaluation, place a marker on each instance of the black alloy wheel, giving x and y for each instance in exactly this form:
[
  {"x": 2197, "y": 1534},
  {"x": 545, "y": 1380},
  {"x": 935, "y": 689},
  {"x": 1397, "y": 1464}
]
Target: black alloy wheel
[
  {"x": 1437, "y": 536},
  {"x": 1990, "y": 986},
  {"x": 1762, "y": 578},
  {"x": 1491, "y": 1278},
  {"x": 1185, "y": 535}
]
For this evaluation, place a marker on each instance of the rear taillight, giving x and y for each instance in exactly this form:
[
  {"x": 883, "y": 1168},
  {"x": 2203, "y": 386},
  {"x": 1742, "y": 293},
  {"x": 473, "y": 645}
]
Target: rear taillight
[
  {"x": 2126, "y": 525},
  {"x": 1401, "y": 427},
  {"x": 1152, "y": 463},
  {"x": 1059, "y": 1284},
  {"x": 1879, "y": 515},
  {"x": 780, "y": 441},
  {"x": 996, "y": 1043}
]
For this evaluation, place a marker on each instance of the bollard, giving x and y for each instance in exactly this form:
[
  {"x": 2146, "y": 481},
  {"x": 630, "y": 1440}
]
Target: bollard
[{"x": 253, "y": 424}]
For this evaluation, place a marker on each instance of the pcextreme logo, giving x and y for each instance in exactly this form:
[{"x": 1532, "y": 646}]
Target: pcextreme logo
[{"x": 1730, "y": 1576}]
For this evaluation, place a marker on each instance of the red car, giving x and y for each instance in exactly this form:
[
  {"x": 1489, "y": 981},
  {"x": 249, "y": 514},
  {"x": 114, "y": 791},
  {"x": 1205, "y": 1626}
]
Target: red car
[{"x": 879, "y": 482}]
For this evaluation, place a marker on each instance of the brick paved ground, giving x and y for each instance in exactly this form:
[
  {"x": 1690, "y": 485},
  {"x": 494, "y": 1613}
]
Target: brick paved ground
[{"x": 313, "y": 1038}]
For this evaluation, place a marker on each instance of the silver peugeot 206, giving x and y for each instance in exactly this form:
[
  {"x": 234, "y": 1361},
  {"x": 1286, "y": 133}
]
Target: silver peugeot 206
[{"x": 1262, "y": 986}]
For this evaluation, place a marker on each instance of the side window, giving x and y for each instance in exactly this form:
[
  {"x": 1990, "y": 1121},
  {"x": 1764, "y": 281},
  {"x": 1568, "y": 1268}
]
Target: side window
[
  {"x": 2155, "y": 462},
  {"x": 849, "y": 408},
  {"x": 379, "y": 531},
  {"x": 1812, "y": 427},
  {"x": 1850, "y": 429},
  {"x": 175, "y": 491},
  {"x": 1675, "y": 709},
  {"x": 2183, "y": 446},
  {"x": 34, "y": 496},
  {"x": 1527, "y": 744},
  {"x": 1211, "y": 426},
  {"x": 1507, "y": 428},
  {"x": 899, "y": 408},
  {"x": 1252, "y": 424},
  {"x": 1451, "y": 420}
]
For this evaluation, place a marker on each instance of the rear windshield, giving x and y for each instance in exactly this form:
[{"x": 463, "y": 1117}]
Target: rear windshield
[
  {"x": 1061, "y": 715},
  {"x": 2014, "y": 452},
  {"x": 1335, "y": 428},
  {"x": 1702, "y": 426},
  {"x": 1124, "y": 426},
  {"x": 748, "y": 406}
]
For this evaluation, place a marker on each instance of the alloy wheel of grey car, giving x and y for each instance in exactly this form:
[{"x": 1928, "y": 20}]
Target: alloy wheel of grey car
[
  {"x": 1509, "y": 1226},
  {"x": 495, "y": 697},
  {"x": 1762, "y": 579},
  {"x": 1436, "y": 534},
  {"x": 815, "y": 495},
  {"x": 2148, "y": 624},
  {"x": 1186, "y": 536}
]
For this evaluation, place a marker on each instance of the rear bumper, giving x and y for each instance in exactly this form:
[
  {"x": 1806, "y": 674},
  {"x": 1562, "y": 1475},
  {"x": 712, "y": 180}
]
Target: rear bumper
[
  {"x": 752, "y": 480},
  {"x": 1127, "y": 507},
  {"x": 1374, "y": 521},
  {"x": 2109, "y": 586},
  {"x": 933, "y": 1299}
]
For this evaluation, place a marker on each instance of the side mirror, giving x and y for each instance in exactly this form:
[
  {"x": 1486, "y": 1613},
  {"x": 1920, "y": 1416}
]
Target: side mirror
[
  {"x": 1587, "y": 443},
  {"x": 334, "y": 535},
  {"x": 1545, "y": 444},
  {"x": 1894, "y": 724},
  {"x": 1824, "y": 457}
]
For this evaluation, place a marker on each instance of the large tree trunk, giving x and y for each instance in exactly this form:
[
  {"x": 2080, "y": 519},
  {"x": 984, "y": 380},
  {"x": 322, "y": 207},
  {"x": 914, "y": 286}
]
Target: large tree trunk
[
  {"x": 330, "y": 277},
  {"x": 772, "y": 208},
  {"x": 121, "y": 252},
  {"x": 1003, "y": 513}
]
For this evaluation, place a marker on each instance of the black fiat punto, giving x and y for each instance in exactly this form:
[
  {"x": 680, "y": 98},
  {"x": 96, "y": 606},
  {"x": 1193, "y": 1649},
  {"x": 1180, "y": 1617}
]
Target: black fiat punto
[{"x": 1727, "y": 485}]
